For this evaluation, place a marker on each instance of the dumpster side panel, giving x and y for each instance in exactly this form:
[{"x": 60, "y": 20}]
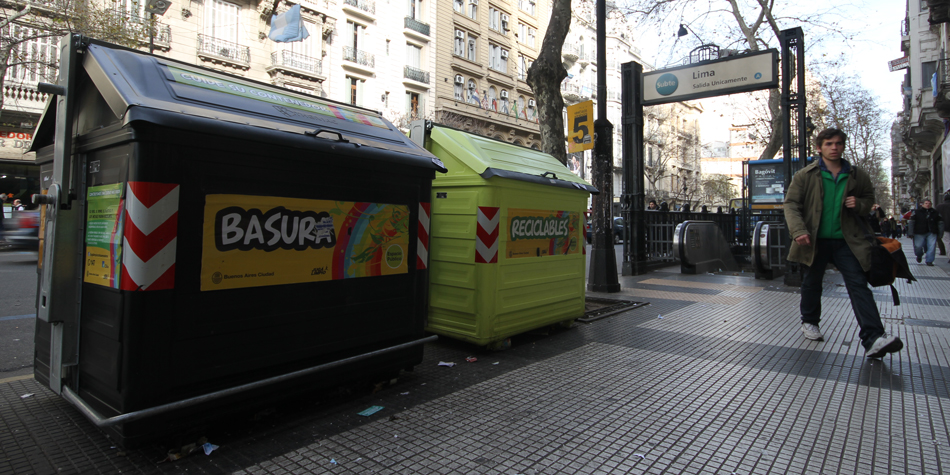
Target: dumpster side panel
[
  {"x": 452, "y": 307},
  {"x": 145, "y": 348}
]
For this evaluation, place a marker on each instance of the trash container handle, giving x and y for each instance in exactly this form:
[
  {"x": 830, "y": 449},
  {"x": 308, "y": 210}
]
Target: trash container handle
[
  {"x": 549, "y": 173},
  {"x": 317, "y": 132}
]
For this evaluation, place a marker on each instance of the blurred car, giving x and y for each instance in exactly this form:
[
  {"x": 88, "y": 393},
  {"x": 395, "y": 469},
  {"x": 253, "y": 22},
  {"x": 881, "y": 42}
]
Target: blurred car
[
  {"x": 618, "y": 231},
  {"x": 22, "y": 230}
]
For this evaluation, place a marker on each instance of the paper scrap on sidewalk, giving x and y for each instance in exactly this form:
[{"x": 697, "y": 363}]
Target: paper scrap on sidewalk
[
  {"x": 403, "y": 394},
  {"x": 471, "y": 359},
  {"x": 26, "y": 395},
  {"x": 660, "y": 316},
  {"x": 496, "y": 362},
  {"x": 369, "y": 411},
  {"x": 640, "y": 455},
  {"x": 333, "y": 461},
  {"x": 446, "y": 363},
  {"x": 209, "y": 447}
]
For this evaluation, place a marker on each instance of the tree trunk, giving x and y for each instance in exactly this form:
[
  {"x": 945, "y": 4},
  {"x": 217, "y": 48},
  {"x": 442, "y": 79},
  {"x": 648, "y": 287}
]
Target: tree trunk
[
  {"x": 545, "y": 76},
  {"x": 778, "y": 125}
]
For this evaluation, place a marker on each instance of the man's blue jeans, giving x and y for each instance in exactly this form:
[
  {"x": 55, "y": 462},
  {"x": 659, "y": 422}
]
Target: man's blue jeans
[
  {"x": 836, "y": 251},
  {"x": 925, "y": 244}
]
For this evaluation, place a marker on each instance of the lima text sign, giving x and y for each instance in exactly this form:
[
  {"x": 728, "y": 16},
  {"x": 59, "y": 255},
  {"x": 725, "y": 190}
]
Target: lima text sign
[{"x": 748, "y": 72}]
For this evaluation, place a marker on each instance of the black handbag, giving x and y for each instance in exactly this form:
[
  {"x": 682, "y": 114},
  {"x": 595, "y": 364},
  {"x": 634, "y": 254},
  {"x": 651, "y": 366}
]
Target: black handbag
[{"x": 888, "y": 262}]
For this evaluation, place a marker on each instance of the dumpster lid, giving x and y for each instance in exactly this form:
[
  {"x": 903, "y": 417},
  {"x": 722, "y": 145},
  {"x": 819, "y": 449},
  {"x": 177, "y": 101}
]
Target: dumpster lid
[
  {"x": 489, "y": 157},
  {"x": 138, "y": 86}
]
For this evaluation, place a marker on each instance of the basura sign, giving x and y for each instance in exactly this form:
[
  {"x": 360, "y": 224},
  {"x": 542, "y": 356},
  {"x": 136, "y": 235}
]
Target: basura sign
[
  {"x": 536, "y": 233},
  {"x": 253, "y": 241},
  {"x": 748, "y": 72}
]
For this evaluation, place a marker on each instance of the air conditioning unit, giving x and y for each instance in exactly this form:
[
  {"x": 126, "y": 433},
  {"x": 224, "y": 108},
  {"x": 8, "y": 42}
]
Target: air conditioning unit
[
  {"x": 459, "y": 79},
  {"x": 460, "y": 34},
  {"x": 504, "y": 18},
  {"x": 530, "y": 102},
  {"x": 504, "y": 94},
  {"x": 473, "y": 2},
  {"x": 504, "y": 54}
]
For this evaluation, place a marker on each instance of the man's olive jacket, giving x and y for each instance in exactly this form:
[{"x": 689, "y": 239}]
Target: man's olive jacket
[{"x": 803, "y": 207}]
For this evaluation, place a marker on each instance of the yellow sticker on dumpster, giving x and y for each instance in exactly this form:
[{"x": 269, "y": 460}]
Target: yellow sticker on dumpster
[
  {"x": 253, "y": 241},
  {"x": 537, "y": 233}
]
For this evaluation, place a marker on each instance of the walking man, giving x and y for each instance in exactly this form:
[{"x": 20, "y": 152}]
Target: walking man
[
  {"x": 944, "y": 210},
  {"x": 823, "y": 208},
  {"x": 925, "y": 227}
]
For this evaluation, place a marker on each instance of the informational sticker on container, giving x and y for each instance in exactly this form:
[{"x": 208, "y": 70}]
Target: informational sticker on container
[
  {"x": 104, "y": 222},
  {"x": 253, "y": 241},
  {"x": 538, "y": 233}
]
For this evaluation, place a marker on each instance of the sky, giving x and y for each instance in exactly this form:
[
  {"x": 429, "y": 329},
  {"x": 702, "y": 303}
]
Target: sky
[{"x": 872, "y": 25}]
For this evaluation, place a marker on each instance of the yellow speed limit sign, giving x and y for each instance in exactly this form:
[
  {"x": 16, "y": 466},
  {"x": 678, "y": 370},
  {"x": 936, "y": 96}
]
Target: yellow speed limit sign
[{"x": 580, "y": 126}]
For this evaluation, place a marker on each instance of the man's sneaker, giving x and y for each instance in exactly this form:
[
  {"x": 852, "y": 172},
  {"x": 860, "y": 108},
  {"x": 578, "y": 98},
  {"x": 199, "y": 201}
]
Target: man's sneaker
[
  {"x": 919, "y": 258},
  {"x": 931, "y": 264},
  {"x": 883, "y": 345},
  {"x": 812, "y": 332}
]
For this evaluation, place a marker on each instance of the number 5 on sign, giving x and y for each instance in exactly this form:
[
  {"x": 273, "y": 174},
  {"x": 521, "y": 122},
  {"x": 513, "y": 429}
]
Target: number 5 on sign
[{"x": 580, "y": 124}]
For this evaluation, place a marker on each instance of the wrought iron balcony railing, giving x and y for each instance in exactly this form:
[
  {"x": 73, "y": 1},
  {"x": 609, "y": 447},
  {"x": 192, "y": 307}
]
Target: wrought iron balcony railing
[
  {"x": 359, "y": 57},
  {"x": 413, "y": 24},
  {"x": 225, "y": 49},
  {"x": 162, "y": 34},
  {"x": 368, "y": 6},
  {"x": 416, "y": 74},
  {"x": 289, "y": 59}
]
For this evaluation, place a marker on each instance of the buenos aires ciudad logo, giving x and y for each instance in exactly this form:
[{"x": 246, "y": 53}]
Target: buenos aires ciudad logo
[{"x": 667, "y": 84}]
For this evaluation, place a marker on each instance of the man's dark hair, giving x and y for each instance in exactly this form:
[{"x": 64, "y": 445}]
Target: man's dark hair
[{"x": 828, "y": 134}]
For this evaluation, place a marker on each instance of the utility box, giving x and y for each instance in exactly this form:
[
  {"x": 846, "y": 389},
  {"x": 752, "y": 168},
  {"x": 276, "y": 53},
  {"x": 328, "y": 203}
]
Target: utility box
[
  {"x": 212, "y": 243},
  {"x": 507, "y": 238}
]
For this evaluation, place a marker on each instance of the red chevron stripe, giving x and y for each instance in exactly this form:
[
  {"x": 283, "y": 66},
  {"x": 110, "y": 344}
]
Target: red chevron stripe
[
  {"x": 166, "y": 281},
  {"x": 148, "y": 193},
  {"x": 126, "y": 282},
  {"x": 146, "y": 246},
  {"x": 424, "y": 236},
  {"x": 488, "y": 239},
  {"x": 489, "y": 211}
]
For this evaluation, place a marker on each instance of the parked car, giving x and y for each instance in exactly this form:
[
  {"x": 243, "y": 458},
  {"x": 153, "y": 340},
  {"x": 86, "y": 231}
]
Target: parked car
[
  {"x": 22, "y": 229},
  {"x": 618, "y": 231}
]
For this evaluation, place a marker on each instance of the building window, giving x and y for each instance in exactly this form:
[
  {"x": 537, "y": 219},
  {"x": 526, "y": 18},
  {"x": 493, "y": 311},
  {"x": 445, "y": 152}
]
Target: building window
[
  {"x": 457, "y": 5},
  {"x": 927, "y": 70},
  {"x": 503, "y": 106},
  {"x": 459, "y": 88},
  {"x": 523, "y": 65},
  {"x": 415, "y": 104},
  {"x": 415, "y": 9},
  {"x": 387, "y": 47},
  {"x": 493, "y": 98},
  {"x": 354, "y": 34},
  {"x": 494, "y": 18},
  {"x": 473, "y": 9},
  {"x": 356, "y": 90},
  {"x": 472, "y": 52},
  {"x": 132, "y": 8},
  {"x": 473, "y": 93},
  {"x": 527, "y": 6},
  {"x": 498, "y": 58},
  {"x": 34, "y": 60},
  {"x": 460, "y": 43},
  {"x": 526, "y": 34},
  {"x": 221, "y": 20},
  {"x": 413, "y": 56}
]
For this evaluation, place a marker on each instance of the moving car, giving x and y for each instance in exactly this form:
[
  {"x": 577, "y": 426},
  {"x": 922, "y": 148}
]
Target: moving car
[{"x": 22, "y": 230}]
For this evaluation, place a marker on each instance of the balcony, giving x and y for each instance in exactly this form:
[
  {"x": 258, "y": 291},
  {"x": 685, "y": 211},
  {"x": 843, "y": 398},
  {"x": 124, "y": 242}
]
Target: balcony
[
  {"x": 574, "y": 92},
  {"x": 570, "y": 52},
  {"x": 941, "y": 100},
  {"x": 416, "y": 25},
  {"x": 415, "y": 74},
  {"x": 219, "y": 51},
  {"x": 23, "y": 97},
  {"x": 939, "y": 11},
  {"x": 357, "y": 59},
  {"x": 364, "y": 8},
  {"x": 287, "y": 63}
]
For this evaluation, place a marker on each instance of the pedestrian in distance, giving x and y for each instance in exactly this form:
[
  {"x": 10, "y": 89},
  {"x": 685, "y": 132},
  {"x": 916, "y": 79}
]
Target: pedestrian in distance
[
  {"x": 824, "y": 206},
  {"x": 944, "y": 210},
  {"x": 925, "y": 227},
  {"x": 652, "y": 206}
]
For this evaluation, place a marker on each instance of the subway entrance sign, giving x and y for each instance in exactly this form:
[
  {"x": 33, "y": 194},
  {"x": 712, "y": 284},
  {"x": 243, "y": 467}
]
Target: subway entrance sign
[{"x": 741, "y": 73}]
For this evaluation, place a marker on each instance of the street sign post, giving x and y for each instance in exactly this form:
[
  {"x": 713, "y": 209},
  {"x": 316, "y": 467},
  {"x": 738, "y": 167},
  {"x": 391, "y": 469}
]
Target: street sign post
[{"x": 580, "y": 118}]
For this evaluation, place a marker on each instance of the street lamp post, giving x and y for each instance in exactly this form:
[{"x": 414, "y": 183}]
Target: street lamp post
[{"x": 603, "y": 256}]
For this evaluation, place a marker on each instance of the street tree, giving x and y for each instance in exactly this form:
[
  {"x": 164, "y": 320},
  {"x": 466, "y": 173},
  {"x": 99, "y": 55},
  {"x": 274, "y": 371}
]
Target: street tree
[
  {"x": 717, "y": 189},
  {"x": 855, "y": 110},
  {"x": 30, "y": 32},
  {"x": 545, "y": 76}
]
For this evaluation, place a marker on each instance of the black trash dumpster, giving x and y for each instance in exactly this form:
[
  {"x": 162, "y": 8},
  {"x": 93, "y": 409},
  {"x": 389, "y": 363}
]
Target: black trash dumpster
[{"x": 212, "y": 242}]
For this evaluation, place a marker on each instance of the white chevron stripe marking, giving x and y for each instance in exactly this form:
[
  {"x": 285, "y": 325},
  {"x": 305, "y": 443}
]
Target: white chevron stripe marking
[
  {"x": 145, "y": 273},
  {"x": 489, "y": 225},
  {"x": 148, "y": 219},
  {"x": 486, "y": 252},
  {"x": 423, "y": 218}
]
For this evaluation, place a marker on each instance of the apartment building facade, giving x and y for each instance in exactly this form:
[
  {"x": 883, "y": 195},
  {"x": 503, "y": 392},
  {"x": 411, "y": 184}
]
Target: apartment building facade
[{"x": 921, "y": 165}]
